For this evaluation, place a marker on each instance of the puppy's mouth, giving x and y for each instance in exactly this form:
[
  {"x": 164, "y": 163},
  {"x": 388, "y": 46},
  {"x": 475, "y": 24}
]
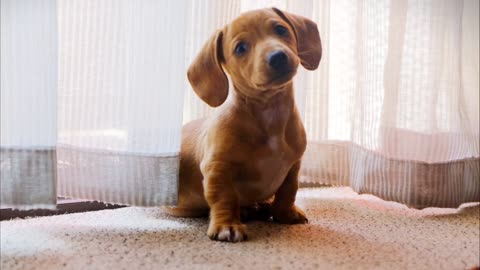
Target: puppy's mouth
[
  {"x": 281, "y": 77},
  {"x": 284, "y": 74}
]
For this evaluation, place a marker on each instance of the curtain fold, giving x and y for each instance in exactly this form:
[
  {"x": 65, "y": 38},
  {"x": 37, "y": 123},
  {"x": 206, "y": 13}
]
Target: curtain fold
[
  {"x": 120, "y": 100},
  {"x": 403, "y": 103},
  {"x": 91, "y": 101},
  {"x": 28, "y": 79}
]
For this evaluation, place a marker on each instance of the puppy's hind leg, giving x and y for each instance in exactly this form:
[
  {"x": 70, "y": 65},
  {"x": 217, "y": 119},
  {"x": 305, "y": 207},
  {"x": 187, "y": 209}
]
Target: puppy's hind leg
[{"x": 284, "y": 209}]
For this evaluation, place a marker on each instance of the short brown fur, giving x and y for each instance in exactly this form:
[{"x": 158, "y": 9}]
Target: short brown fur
[{"x": 249, "y": 150}]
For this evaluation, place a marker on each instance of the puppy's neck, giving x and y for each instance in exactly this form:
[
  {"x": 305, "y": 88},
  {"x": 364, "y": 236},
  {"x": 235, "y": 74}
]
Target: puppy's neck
[{"x": 270, "y": 109}]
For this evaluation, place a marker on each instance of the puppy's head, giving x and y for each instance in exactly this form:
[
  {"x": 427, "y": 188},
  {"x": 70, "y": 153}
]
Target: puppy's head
[{"x": 261, "y": 51}]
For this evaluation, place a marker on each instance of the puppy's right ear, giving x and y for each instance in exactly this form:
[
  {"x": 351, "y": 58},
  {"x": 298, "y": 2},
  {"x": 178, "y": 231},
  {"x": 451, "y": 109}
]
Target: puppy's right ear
[
  {"x": 206, "y": 74},
  {"x": 309, "y": 45}
]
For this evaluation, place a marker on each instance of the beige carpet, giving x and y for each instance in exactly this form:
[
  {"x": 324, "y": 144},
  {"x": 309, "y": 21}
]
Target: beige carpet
[{"x": 346, "y": 231}]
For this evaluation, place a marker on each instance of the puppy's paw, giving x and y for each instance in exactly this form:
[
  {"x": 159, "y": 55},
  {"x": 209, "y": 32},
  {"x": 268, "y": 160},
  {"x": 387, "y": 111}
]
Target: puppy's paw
[
  {"x": 235, "y": 232},
  {"x": 294, "y": 215}
]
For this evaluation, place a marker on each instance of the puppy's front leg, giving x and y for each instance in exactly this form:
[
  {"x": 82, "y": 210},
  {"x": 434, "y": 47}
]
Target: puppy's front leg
[
  {"x": 284, "y": 209},
  {"x": 225, "y": 222}
]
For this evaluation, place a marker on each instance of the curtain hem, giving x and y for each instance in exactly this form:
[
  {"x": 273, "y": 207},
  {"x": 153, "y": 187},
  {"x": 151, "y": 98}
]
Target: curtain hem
[
  {"x": 28, "y": 178},
  {"x": 416, "y": 184},
  {"x": 119, "y": 178}
]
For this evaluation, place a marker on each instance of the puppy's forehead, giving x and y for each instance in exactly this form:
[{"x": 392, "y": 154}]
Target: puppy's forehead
[{"x": 252, "y": 20}]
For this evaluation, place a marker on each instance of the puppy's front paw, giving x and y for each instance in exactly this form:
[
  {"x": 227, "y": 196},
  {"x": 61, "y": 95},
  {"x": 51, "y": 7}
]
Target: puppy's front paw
[
  {"x": 235, "y": 232},
  {"x": 294, "y": 215}
]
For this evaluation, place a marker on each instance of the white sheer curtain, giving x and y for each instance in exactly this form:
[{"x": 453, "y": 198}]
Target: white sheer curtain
[
  {"x": 403, "y": 102},
  {"x": 28, "y": 80},
  {"x": 92, "y": 94},
  {"x": 120, "y": 99},
  {"x": 393, "y": 109},
  {"x": 107, "y": 78}
]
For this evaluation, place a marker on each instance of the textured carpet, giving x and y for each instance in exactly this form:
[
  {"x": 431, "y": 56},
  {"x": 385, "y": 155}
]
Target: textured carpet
[{"x": 346, "y": 231}]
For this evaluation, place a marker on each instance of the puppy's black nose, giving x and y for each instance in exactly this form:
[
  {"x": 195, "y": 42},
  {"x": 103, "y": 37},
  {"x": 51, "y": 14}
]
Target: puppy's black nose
[{"x": 277, "y": 60}]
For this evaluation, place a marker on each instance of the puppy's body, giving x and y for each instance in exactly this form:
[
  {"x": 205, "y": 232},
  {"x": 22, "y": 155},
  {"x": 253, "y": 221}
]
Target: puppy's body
[
  {"x": 250, "y": 149},
  {"x": 259, "y": 142}
]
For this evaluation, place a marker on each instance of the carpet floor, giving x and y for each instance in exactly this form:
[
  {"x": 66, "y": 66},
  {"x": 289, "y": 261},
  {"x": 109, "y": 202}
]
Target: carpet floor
[{"x": 346, "y": 231}]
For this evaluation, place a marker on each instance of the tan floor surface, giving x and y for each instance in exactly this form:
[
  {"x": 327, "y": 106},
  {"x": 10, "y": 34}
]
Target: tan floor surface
[{"x": 346, "y": 231}]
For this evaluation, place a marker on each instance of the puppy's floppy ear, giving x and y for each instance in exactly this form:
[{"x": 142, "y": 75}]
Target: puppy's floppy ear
[
  {"x": 308, "y": 38},
  {"x": 206, "y": 74}
]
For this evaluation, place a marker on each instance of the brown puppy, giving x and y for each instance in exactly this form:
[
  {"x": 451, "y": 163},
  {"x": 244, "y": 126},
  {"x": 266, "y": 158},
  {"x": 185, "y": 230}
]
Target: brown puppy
[{"x": 250, "y": 149}]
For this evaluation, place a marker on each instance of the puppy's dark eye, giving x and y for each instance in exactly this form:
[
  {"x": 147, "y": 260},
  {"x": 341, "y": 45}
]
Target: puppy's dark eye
[
  {"x": 241, "y": 48},
  {"x": 280, "y": 30}
]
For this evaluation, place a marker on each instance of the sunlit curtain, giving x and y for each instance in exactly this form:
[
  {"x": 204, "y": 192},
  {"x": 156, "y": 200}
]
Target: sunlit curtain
[
  {"x": 120, "y": 99},
  {"x": 28, "y": 86},
  {"x": 91, "y": 100},
  {"x": 393, "y": 109}
]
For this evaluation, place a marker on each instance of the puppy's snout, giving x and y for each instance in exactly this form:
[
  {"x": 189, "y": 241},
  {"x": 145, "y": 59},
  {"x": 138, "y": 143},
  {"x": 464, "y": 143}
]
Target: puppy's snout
[{"x": 278, "y": 61}]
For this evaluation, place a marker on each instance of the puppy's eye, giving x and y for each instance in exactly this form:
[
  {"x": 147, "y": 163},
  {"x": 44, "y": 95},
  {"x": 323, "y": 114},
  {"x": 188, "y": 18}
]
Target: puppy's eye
[
  {"x": 280, "y": 30},
  {"x": 241, "y": 48}
]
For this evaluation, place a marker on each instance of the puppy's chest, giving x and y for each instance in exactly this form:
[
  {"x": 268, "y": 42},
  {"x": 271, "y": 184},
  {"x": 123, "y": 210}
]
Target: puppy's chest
[
  {"x": 266, "y": 169},
  {"x": 274, "y": 160}
]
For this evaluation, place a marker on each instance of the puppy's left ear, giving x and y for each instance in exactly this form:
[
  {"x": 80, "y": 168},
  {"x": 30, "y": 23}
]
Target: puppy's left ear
[{"x": 309, "y": 45}]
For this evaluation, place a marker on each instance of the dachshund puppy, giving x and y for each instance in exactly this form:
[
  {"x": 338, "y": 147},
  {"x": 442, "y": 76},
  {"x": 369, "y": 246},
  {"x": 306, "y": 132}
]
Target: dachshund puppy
[{"x": 249, "y": 151}]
